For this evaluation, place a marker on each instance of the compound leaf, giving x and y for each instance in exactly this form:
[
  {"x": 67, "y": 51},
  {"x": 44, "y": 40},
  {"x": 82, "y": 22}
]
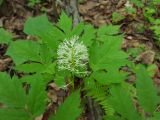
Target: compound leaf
[
  {"x": 70, "y": 109},
  {"x": 146, "y": 91},
  {"x": 22, "y": 51},
  {"x": 65, "y": 23},
  {"x": 88, "y": 35},
  {"x": 11, "y": 91},
  {"x": 36, "y": 101},
  {"x": 112, "y": 76},
  {"x": 42, "y": 28},
  {"x": 108, "y": 30},
  {"x": 122, "y": 103},
  {"x": 102, "y": 56}
]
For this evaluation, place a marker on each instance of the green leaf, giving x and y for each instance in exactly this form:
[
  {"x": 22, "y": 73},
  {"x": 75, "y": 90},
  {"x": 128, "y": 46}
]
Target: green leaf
[
  {"x": 42, "y": 28},
  {"x": 117, "y": 17},
  {"x": 11, "y": 91},
  {"x": 113, "y": 76},
  {"x": 122, "y": 103},
  {"x": 30, "y": 68},
  {"x": 50, "y": 68},
  {"x": 13, "y": 114},
  {"x": 99, "y": 93},
  {"x": 70, "y": 109},
  {"x": 46, "y": 54},
  {"x": 146, "y": 91},
  {"x": 113, "y": 118},
  {"x": 60, "y": 79},
  {"x": 152, "y": 69},
  {"x": 138, "y": 3},
  {"x": 5, "y": 37},
  {"x": 65, "y": 23},
  {"x": 156, "y": 1},
  {"x": 77, "y": 30},
  {"x": 17, "y": 103},
  {"x": 33, "y": 2},
  {"x": 22, "y": 51},
  {"x": 88, "y": 35},
  {"x": 155, "y": 117},
  {"x": 36, "y": 68},
  {"x": 108, "y": 30},
  {"x": 108, "y": 55},
  {"x": 37, "y": 97},
  {"x": 1, "y": 1}
]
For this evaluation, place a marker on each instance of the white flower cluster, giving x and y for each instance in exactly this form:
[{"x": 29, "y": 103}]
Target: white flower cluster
[{"x": 72, "y": 56}]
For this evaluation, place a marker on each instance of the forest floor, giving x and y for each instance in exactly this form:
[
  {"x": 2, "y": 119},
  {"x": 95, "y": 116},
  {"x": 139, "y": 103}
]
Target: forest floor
[{"x": 13, "y": 14}]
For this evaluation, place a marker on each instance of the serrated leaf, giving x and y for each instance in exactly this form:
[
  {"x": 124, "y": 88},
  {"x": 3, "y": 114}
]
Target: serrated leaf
[
  {"x": 46, "y": 54},
  {"x": 100, "y": 94},
  {"x": 30, "y": 68},
  {"x": 11, "y": 92},
  {"x": 65, "y": 23},
  {"x": 60, "y": 78},
  {"x": 77, "y": 30},
  {"x": 5, "y": 37},
  {"x": 146, "y": 91},
  {"x": 13, "y": 114},
  {"x": 122, "y": 103},
  {"x": 108, "y": 30},
  {"x": 36, "y": 100},
  {"x": 88, "y": 35},
  {"x": 42, "y": 28},
  {"x": 112, "y": 76},
  {"x": 21, "y": 51},
  {"x": 17, "y": 103},
  {"x": 50, "y": 68},
  {"x": 108, "y": 55},
  {"x": 70, "y": 109},
  {"x": 36, "y": 68}
]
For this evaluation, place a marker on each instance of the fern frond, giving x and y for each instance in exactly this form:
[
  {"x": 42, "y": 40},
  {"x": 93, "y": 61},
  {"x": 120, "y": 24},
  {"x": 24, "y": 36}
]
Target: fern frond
[{"x": 99, "y": 94}]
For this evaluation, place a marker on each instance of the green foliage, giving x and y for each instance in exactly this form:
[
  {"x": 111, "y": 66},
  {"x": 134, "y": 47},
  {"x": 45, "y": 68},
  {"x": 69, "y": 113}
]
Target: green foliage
[
  {"x": 102, "y": 57},
  {"x": 99, "y": 94},
  {"x": 19, "y": 105},
  {"x": 70, "y": 109},
  {"x": 36, "y": 99},
  {"x": 104, "y": 80},
  {"x": 147, "y": 101},
  {"x": 116, "y": 17},
  {"x": 1, "y": 1},
  {"x": 138, "y": 3},
  {"x": 155, "y": 117},
  {"x": 13, "y": 114},
  {"x": 44, "y": 30},
  {"x": 62, "y": 23},
  {"x": 14, "y": 96},
  {"x": 6, "y": 37},
  {"x": 21, "y": 51},
  {"x": 150, "y": 12},
  {"x": 122, "y": 103},
  {"x": 33, "y": 2},
  {"x": 130, "y": 10}
]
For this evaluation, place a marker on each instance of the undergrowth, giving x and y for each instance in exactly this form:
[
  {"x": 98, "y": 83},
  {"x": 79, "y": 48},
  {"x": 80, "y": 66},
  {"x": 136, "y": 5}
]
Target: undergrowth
[{"x": 66, "y": 54}]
